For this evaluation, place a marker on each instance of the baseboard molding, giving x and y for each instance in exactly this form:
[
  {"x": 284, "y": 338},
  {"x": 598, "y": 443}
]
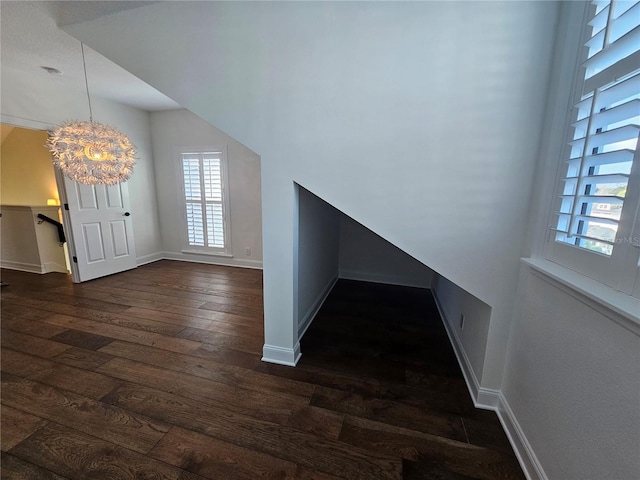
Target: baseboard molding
[
  {"x": 280, "y": 355},
  {"x": 315, "y": 308},
  {"x": 492, "y": 399},
  {"x": 23, "y": 267},
  {"x": 145, "y": 259},
  {"x": 51, "y": 267},
  {"x": 383, "y": 278},
  {"x": 211, "y": 259},
  {"x": 521, "y": 446},
  {"x": 465, "y": 365}
]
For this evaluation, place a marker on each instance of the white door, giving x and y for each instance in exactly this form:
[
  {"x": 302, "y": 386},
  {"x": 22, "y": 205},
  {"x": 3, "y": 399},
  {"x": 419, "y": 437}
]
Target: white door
[{"x": 100, "y": 230}]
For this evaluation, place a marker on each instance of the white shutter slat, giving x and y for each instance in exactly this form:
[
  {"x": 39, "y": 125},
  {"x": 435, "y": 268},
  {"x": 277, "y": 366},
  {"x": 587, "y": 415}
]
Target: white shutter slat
[
  {"x": 613, "y": 53},
  {"x": 622, "y": 157},
  {"x": 625, "y": 16},
  {"x": 620, "y": 134},
  {"x": 625, "y": 111}
]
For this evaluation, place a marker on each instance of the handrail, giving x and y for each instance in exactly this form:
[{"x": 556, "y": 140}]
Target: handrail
[{"x": 44, "y": 218}]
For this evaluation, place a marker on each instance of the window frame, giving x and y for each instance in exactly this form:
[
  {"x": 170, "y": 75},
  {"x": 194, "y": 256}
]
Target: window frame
[
  {"x": 225, "y": 251},
  {"x": 619, "y": 271}
]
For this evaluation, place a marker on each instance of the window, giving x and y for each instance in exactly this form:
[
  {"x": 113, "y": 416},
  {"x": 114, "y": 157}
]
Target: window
[
  {"x": 598, "y": 199},
  {"x": 205, "y": 207}
]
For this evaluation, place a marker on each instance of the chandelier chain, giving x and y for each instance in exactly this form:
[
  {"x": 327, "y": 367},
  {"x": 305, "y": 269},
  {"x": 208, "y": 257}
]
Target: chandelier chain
[{"x": 86, "y": 82}]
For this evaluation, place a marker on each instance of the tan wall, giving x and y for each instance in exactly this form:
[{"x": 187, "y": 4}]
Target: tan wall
[{"x": 27, "y": 176}]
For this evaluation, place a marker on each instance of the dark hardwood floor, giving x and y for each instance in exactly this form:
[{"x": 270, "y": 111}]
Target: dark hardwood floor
[{"x": 155, "y": 373}]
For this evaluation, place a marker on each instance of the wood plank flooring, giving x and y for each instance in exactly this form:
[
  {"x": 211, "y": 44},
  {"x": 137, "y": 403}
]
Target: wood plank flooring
[{"x": 155, "y": 373}]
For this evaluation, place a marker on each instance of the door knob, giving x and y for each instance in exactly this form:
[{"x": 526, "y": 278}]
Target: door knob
[{"x": 126, "y": 214}]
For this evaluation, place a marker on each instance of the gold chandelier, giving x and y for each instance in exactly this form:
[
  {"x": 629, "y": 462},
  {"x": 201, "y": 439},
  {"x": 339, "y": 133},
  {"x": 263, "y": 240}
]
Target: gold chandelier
[{"x": 91, "y": 152}]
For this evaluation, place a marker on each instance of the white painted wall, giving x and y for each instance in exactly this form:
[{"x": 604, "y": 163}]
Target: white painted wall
[
  {"x": 420, "y": 120},
  {"x": 181, "y": 128},
  {"x": 27, "y": 245},
  {"x": 50, "y": 104},
  {"x": 573, "y": 383},
  {"x": 318, "y": 254},
  {"x": 368, "y": 257}
]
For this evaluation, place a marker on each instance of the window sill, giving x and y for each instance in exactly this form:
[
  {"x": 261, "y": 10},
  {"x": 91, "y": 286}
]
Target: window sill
[
  {"x": 605, "y": 299},
  {"x": 210, "y": 254}
]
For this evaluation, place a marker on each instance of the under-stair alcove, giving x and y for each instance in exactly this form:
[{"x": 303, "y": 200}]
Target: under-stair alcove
[{"x": 332, "y": 247}]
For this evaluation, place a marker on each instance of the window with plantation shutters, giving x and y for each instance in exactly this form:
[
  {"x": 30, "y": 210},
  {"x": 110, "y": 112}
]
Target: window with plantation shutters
[
  {"x": 597, "y": 207},
  {"x": 204, "y": 196}
]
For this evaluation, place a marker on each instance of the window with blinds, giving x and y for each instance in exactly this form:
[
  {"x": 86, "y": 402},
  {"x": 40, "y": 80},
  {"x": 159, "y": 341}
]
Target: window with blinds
[
  {"x": 602, "y": 150},
  {"x": 203, "y": 182}
]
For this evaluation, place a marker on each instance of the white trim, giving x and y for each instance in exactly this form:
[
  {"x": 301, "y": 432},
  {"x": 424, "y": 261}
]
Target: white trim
[
  {"x": 465, "y": 365},
  {"x": 304, "y": 324},
  {"x": 209, "y": 252},
  {"x": 23, "y": 267},
  {"x": 384, "y": 278},
  {"x": 211, "y": 259},
  {"x": 617, "y": 306},
  {"x": 25, "y": 122},
  {"x": 521, "y": 446},
  {"x": 281, "y": 355},
  {"x": 488, "y": 398},
  {"x": 54, "y": 267},
  {"x": 152, "y": 257}
]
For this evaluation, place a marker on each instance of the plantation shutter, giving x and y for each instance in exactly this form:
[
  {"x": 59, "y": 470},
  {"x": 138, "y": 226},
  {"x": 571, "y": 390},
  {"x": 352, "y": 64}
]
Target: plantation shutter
[
  {"x": 202, "y": 174},
  {"x": 603, "y": 145}
]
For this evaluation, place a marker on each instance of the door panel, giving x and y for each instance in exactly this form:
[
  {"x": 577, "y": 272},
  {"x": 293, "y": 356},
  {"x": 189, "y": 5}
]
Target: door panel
[
  {"x": 114, "y": 196},
  {"x": 101, "y": 229},
  {"x": 119, "y": 238},
  {"x": 92, "y": 236}
]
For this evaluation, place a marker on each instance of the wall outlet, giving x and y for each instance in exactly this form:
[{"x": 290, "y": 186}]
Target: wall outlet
[
  {"x": 462, "y": 321},
  {"x": 247, "y": 251}
]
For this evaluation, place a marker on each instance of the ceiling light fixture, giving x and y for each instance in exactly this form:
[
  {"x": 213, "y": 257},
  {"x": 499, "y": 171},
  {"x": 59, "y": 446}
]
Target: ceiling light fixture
[{"x": 89, "y": 152}]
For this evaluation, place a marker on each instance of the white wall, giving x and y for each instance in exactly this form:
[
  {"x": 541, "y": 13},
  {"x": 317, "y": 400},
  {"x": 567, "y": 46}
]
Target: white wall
[
  {"x": 45, "y": 106},
  {"x": 317, "y": 254},
  {"x": 573, "y": 383},
  {"x": 421, "y": 120},
  {"x": 368, "y": 257},
  {"x": 181, "y": 128},
  {"x": 28, "y": 245}
]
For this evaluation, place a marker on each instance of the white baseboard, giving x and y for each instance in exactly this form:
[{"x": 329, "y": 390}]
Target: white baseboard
[
  {"x": 465, "y": 365},
  {"x": 23, "y": 267},
  {"x": 521, "y": 446},
  {"x": 315, "y": 308},
  {"x": 153, "y": 257},
  {"x": 280, "y": 355},
  {"x": 383, "y": 278},
  {"x": 50, "y": 267},
  {"x": 210, "y": 259},
  {"x": 492, "y": 399}
]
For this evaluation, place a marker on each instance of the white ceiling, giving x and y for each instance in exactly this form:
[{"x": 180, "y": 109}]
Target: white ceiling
[{"x": 30, "y": 39}]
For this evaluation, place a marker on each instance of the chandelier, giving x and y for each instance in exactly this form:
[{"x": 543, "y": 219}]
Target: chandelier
[{"x": 91, "y": 152}]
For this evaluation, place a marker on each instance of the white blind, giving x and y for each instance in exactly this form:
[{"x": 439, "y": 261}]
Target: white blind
[
  {"x": 604, "y": 138},
  {"x": 203, "y": 191}
]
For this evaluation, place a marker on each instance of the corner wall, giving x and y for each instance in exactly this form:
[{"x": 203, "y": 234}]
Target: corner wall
[
  {"x": 368, "y": 257},
  {"x": 181, "y": 128},
  {"x": 572, "y": 382},
  {"x": 318, "y": 255}
]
